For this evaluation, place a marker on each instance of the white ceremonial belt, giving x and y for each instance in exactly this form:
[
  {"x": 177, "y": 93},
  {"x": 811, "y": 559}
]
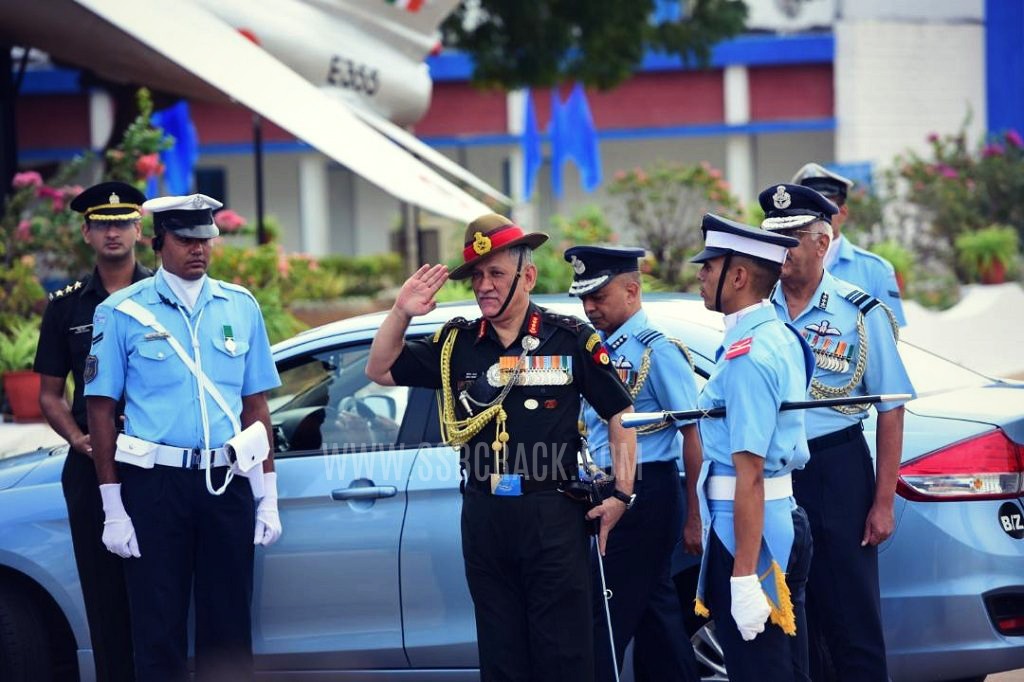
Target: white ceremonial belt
[
  {"x": 189, "y": 458},
  {"x": 724, "y": 487}
]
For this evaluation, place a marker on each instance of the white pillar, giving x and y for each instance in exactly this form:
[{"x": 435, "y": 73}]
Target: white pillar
[
  {"x": 739, "y": 159},
  {"x": 101, "y": 118},
  {"x": 524, "y": 211},
  {"x": 314, "y": 205}
]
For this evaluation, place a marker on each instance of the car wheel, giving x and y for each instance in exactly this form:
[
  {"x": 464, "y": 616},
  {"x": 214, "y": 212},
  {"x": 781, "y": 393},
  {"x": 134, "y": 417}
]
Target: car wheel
[
  {"x": 710, "y": 661},
  {"x": 24, "y": 640}
]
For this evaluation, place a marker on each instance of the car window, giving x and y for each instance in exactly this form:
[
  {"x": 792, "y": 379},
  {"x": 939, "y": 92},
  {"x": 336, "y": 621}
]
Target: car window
[
  {"x": 326, "y": 403},
  {"x": 931, "y": 373}
]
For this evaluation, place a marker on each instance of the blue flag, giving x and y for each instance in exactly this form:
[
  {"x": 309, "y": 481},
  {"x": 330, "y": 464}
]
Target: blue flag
[
  {"x": 558, "y": 133},
  {"x": 532, "y": 157},
  {"x": 574, "y": 136},
  {"x": 582, "y": 145},
  {"x": 180, "y": 160}
]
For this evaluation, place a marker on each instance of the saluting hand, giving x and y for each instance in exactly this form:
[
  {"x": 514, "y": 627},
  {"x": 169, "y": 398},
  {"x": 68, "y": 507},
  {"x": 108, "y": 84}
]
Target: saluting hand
[{"x": 416, "y": 296}]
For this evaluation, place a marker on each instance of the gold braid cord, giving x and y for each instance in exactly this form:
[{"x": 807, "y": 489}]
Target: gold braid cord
[
  {"x": 820, "y": 390},
  {"x": 458, "y": 432}
]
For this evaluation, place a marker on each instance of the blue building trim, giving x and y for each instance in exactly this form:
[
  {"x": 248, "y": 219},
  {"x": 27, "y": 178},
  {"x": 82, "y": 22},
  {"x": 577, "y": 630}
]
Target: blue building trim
[
  {"x": 50, "y": 81},
  {"x": 751, "y": 50},
  {"x": 1004, "y": 64},
  {"x": 492, "y": 140}
]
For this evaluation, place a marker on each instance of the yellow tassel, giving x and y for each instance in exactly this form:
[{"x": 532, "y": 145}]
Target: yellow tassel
[
  {"x": 700, "y": 609},
  {"x": 782, "y": 613}
]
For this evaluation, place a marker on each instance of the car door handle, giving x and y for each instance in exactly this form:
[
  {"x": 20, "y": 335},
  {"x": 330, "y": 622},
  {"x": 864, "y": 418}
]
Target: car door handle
[{"x": 372, "y": 492}]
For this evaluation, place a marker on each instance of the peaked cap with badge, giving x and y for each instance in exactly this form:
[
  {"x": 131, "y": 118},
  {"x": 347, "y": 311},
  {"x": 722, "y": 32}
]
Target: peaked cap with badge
[
  {"x": 489, "y": 234},
  {"x": 787, "y": 207},
  {"x": 595, "y": 266},
  {"x": 189, "y": 216},
  {"x": 723, "y": 237},
  {"x": 821, "y": 179},
  {"x": 109, "y": 202}
]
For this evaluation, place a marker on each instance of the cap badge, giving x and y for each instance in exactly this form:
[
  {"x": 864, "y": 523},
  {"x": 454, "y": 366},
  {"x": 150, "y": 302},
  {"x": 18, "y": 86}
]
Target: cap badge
[
  {"x": 578, "y": 266},
  {"x": 114, "y": 199},
  {"x": 781, "y": 198},
  {"x": 481, "y": 243},
  {"x": 198, "y": 202}
]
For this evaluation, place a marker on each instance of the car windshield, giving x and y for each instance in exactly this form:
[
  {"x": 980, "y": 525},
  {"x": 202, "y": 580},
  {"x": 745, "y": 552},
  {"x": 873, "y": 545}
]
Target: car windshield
[{"x": 931, "y": 373}]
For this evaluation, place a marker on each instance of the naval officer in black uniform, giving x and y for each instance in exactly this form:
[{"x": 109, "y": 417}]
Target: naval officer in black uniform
[{"x": 111, "y": 226}]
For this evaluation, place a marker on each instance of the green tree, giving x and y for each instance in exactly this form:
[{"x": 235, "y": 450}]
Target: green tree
[{"x": 542, "y": 43}]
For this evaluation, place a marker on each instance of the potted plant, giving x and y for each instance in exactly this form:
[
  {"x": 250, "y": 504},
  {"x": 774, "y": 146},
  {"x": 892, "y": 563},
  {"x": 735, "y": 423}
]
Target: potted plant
[
  {"x": 900, "y": 258},
  {"x": 988, "y": 253},
  {"x": 21, "y": 384}
]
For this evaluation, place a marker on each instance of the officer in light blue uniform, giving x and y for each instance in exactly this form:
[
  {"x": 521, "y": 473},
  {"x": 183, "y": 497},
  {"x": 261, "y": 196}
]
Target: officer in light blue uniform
[
  {"x": 658, "y": 372},
  {"x": 156, "y": 343},
  {"x": 867, "y": 271},
  {"x": 757, "y": 543},
  {"x": 853, "y": 337}
]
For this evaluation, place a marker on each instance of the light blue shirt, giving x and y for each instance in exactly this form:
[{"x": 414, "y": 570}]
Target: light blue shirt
[
  {"x": 829, "y": 324},
  {"x": 870, "y": 273},
  {"x": 761, "y": 364},
  {"x": 670, "y": 385},
  {"x": 161, "y": 394}
]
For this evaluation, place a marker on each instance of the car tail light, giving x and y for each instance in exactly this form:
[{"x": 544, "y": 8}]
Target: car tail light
[
  {"x": 985, "y": 467},
  {"x": 1007, "y": 612}
]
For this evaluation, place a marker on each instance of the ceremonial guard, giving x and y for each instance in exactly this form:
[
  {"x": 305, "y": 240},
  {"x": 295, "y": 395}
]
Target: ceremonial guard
[
  {"x": 190, "y": 356},
  {"x": 658, "y": 371},
  {"x": 853, "y": 336},
  {"x": 510, "y": 385},
  {"x": 867, "y": 271},
  {"x": 111, "y": 226},
  {"x": 757, "y": 542}
]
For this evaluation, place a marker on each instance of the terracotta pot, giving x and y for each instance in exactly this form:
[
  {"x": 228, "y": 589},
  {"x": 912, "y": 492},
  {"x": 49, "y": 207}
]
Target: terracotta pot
[
  {"x": 994, "y": 274},
  {"x": 900, "y": 283},
  {"x": 22, "y": 391}
]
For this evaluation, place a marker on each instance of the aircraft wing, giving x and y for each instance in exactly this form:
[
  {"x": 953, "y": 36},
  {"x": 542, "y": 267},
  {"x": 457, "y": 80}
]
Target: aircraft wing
[{"x": 204, "y": 46}]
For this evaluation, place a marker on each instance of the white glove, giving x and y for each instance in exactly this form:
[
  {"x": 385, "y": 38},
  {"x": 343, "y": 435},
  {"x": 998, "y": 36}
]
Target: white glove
[
  {"x": 118, "y": 531},
  {"x": 268, "y": 521},
  {"x": 750, "y": 607}
]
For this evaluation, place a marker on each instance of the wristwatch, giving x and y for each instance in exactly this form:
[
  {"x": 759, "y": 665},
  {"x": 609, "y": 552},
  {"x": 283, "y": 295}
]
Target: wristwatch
[{"x": 625, "y": 499}]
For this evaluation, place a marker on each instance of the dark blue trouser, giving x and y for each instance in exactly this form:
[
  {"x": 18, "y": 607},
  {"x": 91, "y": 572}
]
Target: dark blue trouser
[
  {"x": 837, "y": 488},
  {"x": 772, "y": 656},
  {"x": 644, "y": 606},
  {"x": 100, "y": 573},
  {"x": 526, "y": 566},
  {"x": 190, "y": 540}
]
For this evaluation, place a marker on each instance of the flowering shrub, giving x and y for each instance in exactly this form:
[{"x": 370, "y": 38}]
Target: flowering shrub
[
  {"x": 229, "y": 222},
  {"x": 663, "y": 208}
]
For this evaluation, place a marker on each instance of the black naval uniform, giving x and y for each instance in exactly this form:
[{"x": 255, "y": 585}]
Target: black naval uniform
[
  {"x": 526, "y": 556},
  {"x": 64, "y": 341}
]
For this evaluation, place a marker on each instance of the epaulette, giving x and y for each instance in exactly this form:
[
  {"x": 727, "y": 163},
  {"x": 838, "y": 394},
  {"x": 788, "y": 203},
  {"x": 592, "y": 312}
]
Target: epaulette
[
  {"x": 864, "y": 302},
  {"x": 741, "y": 347},
  {"x": 649, "y": 336},
  {"x": 569, "y": 322},
  {"x": 455, "y": 322},
  {"x": 61, "y": 293}
]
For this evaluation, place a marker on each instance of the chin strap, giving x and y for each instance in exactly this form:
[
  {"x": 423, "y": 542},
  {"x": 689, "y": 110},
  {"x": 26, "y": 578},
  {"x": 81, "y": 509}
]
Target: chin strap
[
  {"x": 721, "y": 281},
  {"x": 511, "y": 289}
]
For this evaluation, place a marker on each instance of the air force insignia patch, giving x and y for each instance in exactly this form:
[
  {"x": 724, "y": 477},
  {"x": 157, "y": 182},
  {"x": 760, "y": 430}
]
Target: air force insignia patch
[
  {"x": 92, "y": 366},
  {"x": 781, "y": 198}
]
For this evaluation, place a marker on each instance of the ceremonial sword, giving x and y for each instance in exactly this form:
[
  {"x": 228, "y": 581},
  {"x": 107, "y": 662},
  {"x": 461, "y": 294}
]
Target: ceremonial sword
[{"x": 635, "y": 419}]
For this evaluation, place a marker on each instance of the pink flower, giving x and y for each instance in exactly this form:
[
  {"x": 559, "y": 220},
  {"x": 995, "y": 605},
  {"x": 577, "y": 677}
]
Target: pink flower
[
  {"x": 993, "y": 149},
  {"x": 55, "y": 196},
  {"x": 933, "y": 138},
  {"x": 947, "y": 171},
  {"x": 715, "y": 173},
  {"x": 620, "y": 176},
  {"x": 24, "y": 231},
  {"x": 27, "y": 179},
  {"x": 228, "y": 221},
  {"x": 1014, "y": 138},
  {"x": 71, "y": 191},
  {"x": 149, "y": 165}
]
